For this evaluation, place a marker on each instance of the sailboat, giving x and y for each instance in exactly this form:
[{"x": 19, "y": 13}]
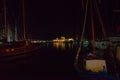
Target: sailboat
[
  {"x": 90, "y": 62},
  {"x": 18, "y": 46}
]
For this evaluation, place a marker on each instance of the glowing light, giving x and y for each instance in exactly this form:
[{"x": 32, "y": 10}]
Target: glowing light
[
  {"x": 56, "y": 45},
  {"x": 12, "y": 49},
  {"x": 7, "y": 50},
  {"x": 63, "y": 39},
  {"x": 59, "y": 44}
]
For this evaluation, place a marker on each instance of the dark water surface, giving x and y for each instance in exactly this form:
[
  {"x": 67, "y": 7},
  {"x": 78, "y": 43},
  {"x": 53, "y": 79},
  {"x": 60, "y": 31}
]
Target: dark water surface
[{"x": 51, "y": 62}]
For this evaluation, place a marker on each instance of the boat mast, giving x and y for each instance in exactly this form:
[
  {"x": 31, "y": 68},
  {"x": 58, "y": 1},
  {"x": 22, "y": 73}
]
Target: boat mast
[
  {"x": 24, "y": 25},
  {"x": 100, "y": 20},
  {"x": 5, "y": 21},
  {"x": 82, "y": 37},
  {"x": 16, "y": 34},
  {"x": 93, "y": 32}
]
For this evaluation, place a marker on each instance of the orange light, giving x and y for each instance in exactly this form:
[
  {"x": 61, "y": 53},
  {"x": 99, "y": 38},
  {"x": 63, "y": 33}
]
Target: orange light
[
  {"x": 7, "y": 50},
  {"x": 12, "y": 49}
]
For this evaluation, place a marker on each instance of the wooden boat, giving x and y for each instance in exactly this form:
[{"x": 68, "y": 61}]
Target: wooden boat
[{"x": 17, "y": 46}]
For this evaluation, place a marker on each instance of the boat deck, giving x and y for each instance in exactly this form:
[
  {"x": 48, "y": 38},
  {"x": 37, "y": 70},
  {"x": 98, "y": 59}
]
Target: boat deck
[{"x": 12, "y": 51}]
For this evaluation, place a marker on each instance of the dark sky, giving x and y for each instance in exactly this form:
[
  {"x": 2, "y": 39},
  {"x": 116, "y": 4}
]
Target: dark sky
[
  {"x": 53, "y": 18},
  {"x": 48, "y": 19}
]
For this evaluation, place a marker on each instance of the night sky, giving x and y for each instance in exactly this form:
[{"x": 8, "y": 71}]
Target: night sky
[{"x": 48, "y": 19}]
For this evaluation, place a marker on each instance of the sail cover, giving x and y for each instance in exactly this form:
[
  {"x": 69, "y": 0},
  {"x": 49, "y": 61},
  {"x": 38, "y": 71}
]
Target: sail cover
[{"x": 96, "y": 65}]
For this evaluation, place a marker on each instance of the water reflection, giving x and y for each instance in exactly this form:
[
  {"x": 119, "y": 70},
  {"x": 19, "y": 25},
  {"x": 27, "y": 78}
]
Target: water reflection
[
  {"x": 60, "y": 45},
  {"x": 63, "y": 45}
]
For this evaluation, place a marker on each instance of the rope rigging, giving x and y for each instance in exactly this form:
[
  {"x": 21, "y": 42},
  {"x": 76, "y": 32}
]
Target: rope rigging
[
  {"x": 94, "y": 55},
  {"x": 100, "y": 20},
  {"x": 82, "y": 37},
  {"x": 92, "y": 25}
]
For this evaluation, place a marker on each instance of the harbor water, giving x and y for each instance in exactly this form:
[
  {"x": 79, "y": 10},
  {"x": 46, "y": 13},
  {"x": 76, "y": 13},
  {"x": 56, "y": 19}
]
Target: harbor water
[{"x": 52, "y": 61}]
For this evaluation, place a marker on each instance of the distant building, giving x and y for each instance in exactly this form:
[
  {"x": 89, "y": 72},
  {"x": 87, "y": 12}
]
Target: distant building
[{"x": 63, "y": 39}]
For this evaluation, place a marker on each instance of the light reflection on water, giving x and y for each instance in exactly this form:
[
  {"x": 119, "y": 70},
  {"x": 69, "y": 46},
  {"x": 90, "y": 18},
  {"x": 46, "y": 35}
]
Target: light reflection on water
[
  {"x": 60, "y": 45},
  {"x": 64, "y": 45}
]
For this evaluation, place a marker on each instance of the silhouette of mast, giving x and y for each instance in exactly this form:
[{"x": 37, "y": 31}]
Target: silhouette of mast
[
  {"x": 93, "y": 30},
  {"x": 24, "y": 25},
  {"x": 5, "y": 21}
]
